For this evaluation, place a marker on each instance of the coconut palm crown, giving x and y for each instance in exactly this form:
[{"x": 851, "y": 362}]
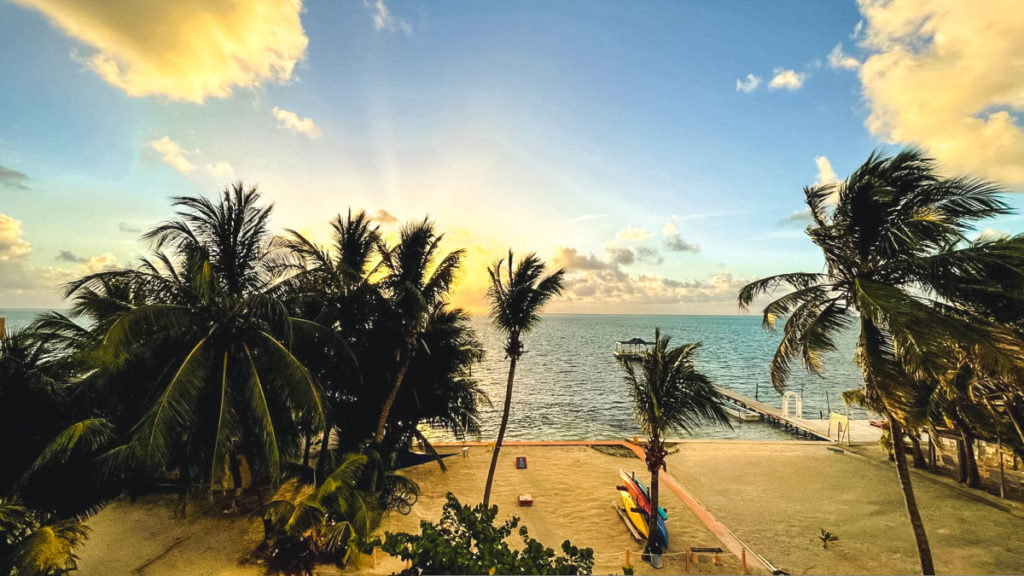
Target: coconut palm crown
[
  {"x": 898, "y": 262},
  {"x": 517, "y": 293},
  {"x": 232, "y": 385},
  {"x": 669, "y": 394}
]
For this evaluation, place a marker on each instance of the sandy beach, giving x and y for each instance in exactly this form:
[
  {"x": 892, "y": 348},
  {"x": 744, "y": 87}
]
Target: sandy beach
[{"x": 774, "y": 496}]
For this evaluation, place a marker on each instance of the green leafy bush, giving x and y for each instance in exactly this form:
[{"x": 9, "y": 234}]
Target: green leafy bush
[{"x": 467, "y": 541}]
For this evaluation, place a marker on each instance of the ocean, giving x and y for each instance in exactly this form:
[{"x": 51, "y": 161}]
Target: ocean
[{"x": 568, "y": 385}]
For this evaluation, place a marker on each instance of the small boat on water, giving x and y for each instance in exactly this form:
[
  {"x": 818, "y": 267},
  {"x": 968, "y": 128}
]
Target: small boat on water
[
  {"x": 738, "y": 413},
  {"x": 633, "y": 349}
]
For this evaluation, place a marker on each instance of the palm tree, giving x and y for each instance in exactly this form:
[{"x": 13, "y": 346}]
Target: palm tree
[
  {"x": 231, "y": 385},
  {"x": 419, "y": 278},
  {"x": 332, "y": 286},
  {"x": 517, "y": 297},
  {"x": 668, "y": 394},
  {"x": 898, "y": 264}
]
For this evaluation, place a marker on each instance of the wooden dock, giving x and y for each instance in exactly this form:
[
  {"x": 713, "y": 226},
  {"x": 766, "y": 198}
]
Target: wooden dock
[{"x": 771, "y": 415}]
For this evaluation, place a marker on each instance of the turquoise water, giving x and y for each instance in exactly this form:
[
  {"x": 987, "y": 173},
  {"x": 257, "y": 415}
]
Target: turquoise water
[
  {"x": 17, "y": 318},
  {"x": 569, "y": 386}
]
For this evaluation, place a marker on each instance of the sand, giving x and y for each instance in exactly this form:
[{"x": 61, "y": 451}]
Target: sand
[
  {"x": 775, "y": 496},
  {"x": 778, "y": 496}
]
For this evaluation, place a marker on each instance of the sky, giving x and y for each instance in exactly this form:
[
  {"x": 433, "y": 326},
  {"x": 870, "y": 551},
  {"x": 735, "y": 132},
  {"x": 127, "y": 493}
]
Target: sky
[{"x": 655, "y": 150}]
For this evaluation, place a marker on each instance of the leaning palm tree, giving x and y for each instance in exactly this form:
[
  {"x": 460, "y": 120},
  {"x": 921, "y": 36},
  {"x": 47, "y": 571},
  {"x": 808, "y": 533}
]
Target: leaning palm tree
[
  {"x": 898, "y": 264},
  {"x": 419, "y": 278},
  {"x": 228, "y": 383},
  {"x": 669, "y": 393},
  {"x": 516, "y": 299}
]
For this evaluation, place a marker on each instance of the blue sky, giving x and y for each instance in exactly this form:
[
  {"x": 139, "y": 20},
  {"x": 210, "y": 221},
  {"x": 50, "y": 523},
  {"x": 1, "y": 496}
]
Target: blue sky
[{"x": 600, "y": 134}]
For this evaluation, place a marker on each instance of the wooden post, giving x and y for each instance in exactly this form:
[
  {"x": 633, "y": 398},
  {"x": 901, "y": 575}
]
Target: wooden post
[
  {"x": 687, "y": 554},
  {"x": 627, "y": 558},
  {"x": 2, "y": 328},
  {"x": 743, "y": 559}
]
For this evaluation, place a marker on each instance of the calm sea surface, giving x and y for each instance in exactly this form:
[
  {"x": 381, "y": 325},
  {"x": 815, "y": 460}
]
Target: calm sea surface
[{"x": 569, "y": 386}]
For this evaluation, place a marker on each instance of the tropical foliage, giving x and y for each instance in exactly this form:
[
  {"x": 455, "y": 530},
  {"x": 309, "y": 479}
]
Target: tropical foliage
[
  {"x": 517, "y": 295},
  {"x": 467, "y": 541},
  {"x": 926, "y": 299},
  {"x": 231, "y": 360},
  {"x": 669, "y": 394}
]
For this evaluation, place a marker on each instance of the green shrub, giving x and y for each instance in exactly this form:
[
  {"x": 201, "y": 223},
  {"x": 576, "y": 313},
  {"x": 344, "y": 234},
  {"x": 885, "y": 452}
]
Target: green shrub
[{"x": 467, "y": 541}]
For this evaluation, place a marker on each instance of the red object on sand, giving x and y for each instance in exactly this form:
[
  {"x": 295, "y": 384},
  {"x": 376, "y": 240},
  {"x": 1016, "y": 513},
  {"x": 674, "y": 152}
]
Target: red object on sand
[{"x": 526, "y": 499}]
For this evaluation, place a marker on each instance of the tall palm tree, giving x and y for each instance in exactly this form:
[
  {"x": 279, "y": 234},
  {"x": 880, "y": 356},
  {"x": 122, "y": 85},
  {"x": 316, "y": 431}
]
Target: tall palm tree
[
  {"x": 232, "y": 385},
  {"x": 898, "y": 264},
  {"x": 516, "y": 296},
  {"x": 419, "y": 278},
  {"x": 668, "y": 394},
  {"x": 333, "y": 287}
]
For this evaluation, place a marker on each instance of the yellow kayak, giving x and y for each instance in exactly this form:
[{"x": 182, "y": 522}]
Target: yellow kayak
[{"x": 637, "y": 518}]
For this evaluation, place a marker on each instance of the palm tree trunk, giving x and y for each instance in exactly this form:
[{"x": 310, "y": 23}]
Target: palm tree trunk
[
  {"x": 386, "y": 409},
  {"x": 504, "y": 425},
  {"x": 305, "y": 449},
  {"x": 868, "y": 356},
  {"x": 973, "y": 479},
  {"x": 961, "y": 462},
  {"x": 924, "y": 551},
  {"x": 915, "y": 445},
  {"x": 654, "y": 467},
  {"x": 324, "y": 457}
]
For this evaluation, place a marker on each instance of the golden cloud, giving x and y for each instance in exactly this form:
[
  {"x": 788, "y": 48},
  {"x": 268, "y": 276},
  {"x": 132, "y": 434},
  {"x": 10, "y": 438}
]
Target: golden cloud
[
  {"x": 186, "y": 49},
  {"x": 948, "y": 76}
]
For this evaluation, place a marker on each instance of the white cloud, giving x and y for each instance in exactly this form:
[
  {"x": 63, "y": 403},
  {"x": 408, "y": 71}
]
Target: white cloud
[
  {"x": 840, "y": 60},
  {"x": 221, "y": 170},
  {"x": 21, "y": 284},
  {"x": 632, "y": 234},
  {"x": 826, "y": 175},
  {"x": 186, "y": 49},
  {"x": 990, "y": 235},
  {"x": 857, "y": 30},
  {"x": 291, "y": 121},
  {"x": 788, "y": 79},
  {"x": 588, "y": 217},
  {"x": 669, "y": 229},
  {"x": 172, "y": 154},
  {"x": 748, "y": 84},
  {"x": 948, "y": 76},
  {"x": 383, "y": 20}
]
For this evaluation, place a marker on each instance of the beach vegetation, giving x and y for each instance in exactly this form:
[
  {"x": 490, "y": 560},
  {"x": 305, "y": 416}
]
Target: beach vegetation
[
  {"x": 467, "y": 540},
  {"x": 517, "y": 292},
  {"x": 669, "y": 394},
  {"x": 231, "y": 361},
  {"x": 901, "y": 267}
]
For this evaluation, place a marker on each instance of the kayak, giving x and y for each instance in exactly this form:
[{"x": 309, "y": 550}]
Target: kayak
[
  {"x": 638, "y": 490},
  {"x": 634, "y": 500},
  {"x": 638, "y": 519}
]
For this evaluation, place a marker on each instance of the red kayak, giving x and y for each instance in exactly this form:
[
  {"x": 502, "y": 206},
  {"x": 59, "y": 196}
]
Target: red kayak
[
  {"x": 638, "y": 490},
  {"x": 638, "y": 494}
]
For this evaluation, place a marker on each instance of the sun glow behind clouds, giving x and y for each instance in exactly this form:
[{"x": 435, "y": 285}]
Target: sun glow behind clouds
[
  {"x": 183, "y": 49},
  {"x": 949, "y": 76}
]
